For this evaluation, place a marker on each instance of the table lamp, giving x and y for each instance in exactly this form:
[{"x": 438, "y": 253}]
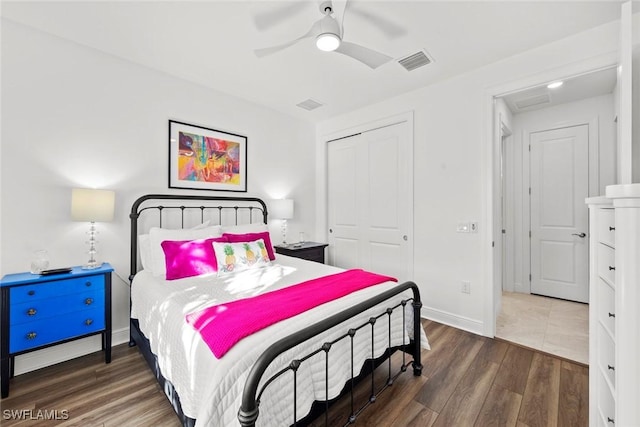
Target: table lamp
[
  {"x": 92, "y": 206},
  {"x": 282, "y": 209}
]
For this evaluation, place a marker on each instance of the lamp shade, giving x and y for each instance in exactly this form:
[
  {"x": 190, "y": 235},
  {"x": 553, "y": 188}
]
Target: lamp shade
[
  {"x": 92, "y": 205},
  {"x": 282, "y": 209}
]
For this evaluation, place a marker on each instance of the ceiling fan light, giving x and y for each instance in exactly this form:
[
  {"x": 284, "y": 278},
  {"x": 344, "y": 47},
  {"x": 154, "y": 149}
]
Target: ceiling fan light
[{"x": 327, "y": 42}]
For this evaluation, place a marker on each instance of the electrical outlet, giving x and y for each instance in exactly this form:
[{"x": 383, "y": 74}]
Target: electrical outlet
[
  {"x": 474, "y": 227},
  {"x": 466, "y": 287}
]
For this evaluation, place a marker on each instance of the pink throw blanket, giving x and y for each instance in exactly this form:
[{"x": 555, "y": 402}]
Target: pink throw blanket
[{"x": 222, "y": 326}]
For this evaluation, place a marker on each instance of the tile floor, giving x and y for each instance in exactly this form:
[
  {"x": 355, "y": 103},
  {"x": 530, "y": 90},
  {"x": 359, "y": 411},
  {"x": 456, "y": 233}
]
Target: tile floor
[{"x": 551, "y": 325}]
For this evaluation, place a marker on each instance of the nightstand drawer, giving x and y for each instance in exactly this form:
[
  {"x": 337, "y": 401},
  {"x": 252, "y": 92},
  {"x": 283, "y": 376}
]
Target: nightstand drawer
[
  {"x": 45, "y": 308},
  {"x": 55, "y": 288},
  {"x": 310, "y": 251},
  {"x": 35, "y": 334}
]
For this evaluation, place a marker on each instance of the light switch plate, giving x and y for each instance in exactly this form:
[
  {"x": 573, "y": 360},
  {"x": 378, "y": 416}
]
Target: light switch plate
[{"x": 463, "y": 227}]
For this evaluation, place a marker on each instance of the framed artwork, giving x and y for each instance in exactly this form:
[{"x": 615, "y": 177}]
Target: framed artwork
[{"x": 206, "y": 159}]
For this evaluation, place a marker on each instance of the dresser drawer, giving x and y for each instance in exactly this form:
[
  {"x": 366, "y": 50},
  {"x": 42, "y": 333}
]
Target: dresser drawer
[
  {"x": 606, "y": 227},
  {"x": 606, "y": 305},
  {"x": 606, "y": 355},
  {"x": 32, "y": 311},
  {"x": 606, "y": 263},
  {"x": 55, "y": 288},
  {"x": 25, "y": 336},
  {"x": 606, "y": 404}
]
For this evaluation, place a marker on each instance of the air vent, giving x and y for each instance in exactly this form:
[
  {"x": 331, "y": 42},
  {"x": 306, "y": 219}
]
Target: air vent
[
  {"x": 534, "y": 100},
  {"x": 415, "y": 60},
  {"x": 310, "y": 104}
]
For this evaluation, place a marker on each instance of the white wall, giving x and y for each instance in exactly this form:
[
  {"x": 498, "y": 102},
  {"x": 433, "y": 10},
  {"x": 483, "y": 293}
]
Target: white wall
[
  {"x": 597, "y": 112},
  {"x": 75, "y": 117},
  {"x": 451, "y": 179}
]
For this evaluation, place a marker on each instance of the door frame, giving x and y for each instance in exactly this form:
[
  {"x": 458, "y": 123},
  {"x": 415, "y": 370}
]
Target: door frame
[
  {"x": 490, "y": 162},
  {"x": 322, "y": 176}
]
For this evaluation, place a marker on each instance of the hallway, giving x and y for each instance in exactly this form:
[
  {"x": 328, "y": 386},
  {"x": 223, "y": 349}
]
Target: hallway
[{"x": 550, "y": 325}]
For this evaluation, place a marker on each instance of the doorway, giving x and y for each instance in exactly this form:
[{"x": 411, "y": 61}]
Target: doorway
[{"x": 572, "y": 143}]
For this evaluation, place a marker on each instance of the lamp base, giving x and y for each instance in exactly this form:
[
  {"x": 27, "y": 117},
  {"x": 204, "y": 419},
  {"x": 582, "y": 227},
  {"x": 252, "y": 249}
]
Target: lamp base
[{"x": 92, "y": 265}]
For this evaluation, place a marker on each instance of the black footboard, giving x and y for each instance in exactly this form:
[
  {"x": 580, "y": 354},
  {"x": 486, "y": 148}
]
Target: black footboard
[{"x": 249, "y": 411}]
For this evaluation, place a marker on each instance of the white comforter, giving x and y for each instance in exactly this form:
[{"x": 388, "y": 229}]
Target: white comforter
[{"x": 210, "y": 389}]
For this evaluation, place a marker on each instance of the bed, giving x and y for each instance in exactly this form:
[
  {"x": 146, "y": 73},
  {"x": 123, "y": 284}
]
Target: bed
[{"x": 284, "y": 374}]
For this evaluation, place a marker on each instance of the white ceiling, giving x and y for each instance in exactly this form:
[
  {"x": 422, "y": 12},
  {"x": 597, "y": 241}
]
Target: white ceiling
[
  {"x": 597, "y": 83},
  {"x": 211, "y": 43}
]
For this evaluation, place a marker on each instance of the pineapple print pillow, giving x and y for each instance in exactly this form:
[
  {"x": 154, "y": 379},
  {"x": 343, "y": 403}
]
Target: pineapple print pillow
[{"x": 238, "y": 256}]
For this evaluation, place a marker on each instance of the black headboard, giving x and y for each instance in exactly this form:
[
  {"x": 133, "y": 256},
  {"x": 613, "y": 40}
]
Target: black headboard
[{"x": 180, "y": 211}]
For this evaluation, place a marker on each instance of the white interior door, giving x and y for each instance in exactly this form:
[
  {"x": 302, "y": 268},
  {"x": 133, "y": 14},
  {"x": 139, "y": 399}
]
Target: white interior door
[
  {"x": 370, "y": 201},
  {"x": 559, "y": 218}
]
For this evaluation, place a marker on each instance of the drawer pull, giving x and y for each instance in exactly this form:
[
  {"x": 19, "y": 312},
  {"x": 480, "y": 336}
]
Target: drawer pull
[
  {"x": 612, "y": 229},
  {"x": 88, "y": 301},
  {"x": 88, "y": 322},
  {"x": 610, "y": 420},
  {"x": 31, "y": 293},
  {"x": 611, "y": 368},
  {"x": 612, "y": 315},
  {"x": 87, "y": 284},
  {"x": 611, "y": 268},
  {"x": 31, "y": 335},
  {"x": 31, "y": 312}
]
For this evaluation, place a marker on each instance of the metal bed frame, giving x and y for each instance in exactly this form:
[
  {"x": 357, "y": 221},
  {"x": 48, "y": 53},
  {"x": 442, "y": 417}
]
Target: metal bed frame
[{"x": 223, "y": 207}]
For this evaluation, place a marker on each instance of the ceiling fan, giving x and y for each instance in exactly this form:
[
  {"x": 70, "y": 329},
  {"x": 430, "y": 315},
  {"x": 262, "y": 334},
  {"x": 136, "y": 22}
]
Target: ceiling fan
[{"x": 329, "y": 37}]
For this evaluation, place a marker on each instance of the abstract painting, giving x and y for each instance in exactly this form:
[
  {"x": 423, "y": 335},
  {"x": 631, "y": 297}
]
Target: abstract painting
[{"x": 201, "y": 158}]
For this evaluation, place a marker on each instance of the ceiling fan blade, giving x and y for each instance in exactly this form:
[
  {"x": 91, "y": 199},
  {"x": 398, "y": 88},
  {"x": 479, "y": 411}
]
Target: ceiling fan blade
[
  {"x": 363, "y": 54},
  {"x": 270, "y": 50},
  {"x": 275, "y": 16},
  {"x": 389, "y": 28},
  {"x": 339, "y": 8}
]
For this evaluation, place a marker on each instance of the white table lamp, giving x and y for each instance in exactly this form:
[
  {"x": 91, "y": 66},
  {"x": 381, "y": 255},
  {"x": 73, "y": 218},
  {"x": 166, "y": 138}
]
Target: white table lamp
[
  {"x": 92, "y": 206},
  {"x": 282, "y": 209}
]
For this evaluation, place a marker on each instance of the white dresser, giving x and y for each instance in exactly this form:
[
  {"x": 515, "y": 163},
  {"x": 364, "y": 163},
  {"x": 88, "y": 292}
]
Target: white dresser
[{"x": 614, "y": 308}]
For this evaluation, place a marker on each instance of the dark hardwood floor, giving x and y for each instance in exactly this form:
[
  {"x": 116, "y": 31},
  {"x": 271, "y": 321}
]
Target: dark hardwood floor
[{"x": 467, "y": 380}]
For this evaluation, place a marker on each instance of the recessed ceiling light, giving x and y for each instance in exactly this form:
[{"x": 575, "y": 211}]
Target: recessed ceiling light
[{"x": 555, "y": 85}]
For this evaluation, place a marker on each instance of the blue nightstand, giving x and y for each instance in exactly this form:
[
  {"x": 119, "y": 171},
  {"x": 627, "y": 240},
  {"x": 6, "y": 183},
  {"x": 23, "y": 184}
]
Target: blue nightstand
[{"x": 39, "y": 311}]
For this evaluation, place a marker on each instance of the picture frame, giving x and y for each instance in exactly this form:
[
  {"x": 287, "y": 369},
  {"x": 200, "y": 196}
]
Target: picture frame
[{"x": 202, "y": 158}]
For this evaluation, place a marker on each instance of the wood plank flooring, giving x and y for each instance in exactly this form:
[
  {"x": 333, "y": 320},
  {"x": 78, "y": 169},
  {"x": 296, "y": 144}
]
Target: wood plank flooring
[{"x": 467, "y": 380}]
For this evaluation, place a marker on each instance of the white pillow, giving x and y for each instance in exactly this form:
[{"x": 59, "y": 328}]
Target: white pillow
[
  {"x": 144, "y": 246},
  {"x": 244, "y": 228},
  {"x": 232, "y": 257},
  {"x": 157, "y": 264}
]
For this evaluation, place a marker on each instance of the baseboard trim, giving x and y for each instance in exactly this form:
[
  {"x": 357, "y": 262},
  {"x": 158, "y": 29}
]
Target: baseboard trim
[
  {"x": 457, "y": 321},
  {"x": 60, "y": 353}
]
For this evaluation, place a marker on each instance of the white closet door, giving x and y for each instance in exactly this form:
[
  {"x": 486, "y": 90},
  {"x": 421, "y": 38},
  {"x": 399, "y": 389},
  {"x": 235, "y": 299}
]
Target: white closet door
[
  {"x": 371, "y": 201},
  {"x": 345, "y": 200},
  {"x": 559, "y": 218}
]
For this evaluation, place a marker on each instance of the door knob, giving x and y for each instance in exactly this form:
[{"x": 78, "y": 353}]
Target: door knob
[{"x": 581, "y": 235}]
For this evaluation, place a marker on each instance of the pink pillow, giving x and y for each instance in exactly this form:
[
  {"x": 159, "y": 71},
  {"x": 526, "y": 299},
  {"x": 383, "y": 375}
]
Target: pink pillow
[
  {"x": 252, "y": 237},
  {"x": 188, "y": 258}
]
